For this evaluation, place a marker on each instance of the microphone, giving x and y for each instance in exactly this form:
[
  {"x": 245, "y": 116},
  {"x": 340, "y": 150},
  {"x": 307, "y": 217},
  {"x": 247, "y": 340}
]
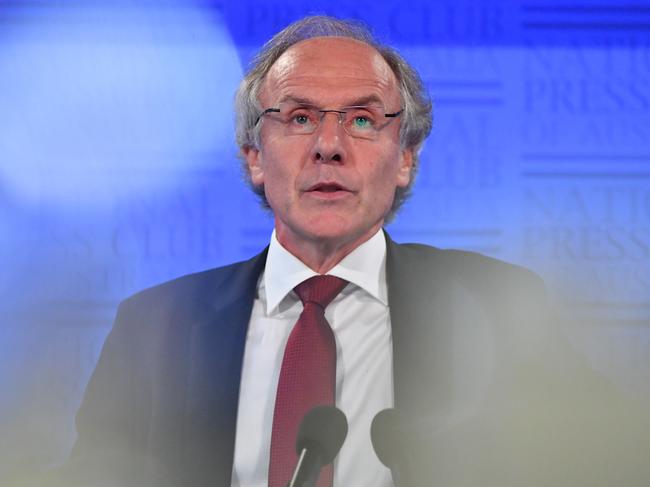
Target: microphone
[
  {"x": 320, "y": 437},
  {"x": 388, "y": 440}
]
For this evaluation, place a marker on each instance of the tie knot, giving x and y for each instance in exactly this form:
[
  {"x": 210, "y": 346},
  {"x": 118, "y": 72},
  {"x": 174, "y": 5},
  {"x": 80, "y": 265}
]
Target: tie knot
[{"x": 320, "y": 290}]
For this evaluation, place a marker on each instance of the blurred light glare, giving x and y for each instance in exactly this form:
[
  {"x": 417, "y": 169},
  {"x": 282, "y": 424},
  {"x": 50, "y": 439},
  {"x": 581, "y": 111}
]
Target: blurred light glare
[{"x": 99, "y": 102}]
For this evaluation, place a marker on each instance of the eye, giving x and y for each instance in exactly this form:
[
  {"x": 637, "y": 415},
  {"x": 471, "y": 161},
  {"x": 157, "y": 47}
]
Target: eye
[
  {"x": 301, "y": 117},
  {"x": 361, "y": 119},
  {"x": 361, "y": 122}
]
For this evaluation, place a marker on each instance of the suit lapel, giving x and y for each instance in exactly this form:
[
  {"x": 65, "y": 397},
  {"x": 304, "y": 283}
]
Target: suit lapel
[
  {"x": 441, "y": 339},
  {"x": 216, "y": 348},
  {"x": 445, "y": 342},
  {"x": 420, "y": 295}
]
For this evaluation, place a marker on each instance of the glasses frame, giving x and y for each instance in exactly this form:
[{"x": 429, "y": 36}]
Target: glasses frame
[{"x": 339, "y": 111}]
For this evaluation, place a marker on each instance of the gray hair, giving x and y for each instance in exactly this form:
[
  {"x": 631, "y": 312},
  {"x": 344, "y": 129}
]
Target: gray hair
[{"x": 416, "y": 116}]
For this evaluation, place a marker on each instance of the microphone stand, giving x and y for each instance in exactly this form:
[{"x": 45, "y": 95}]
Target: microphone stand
[
  {"x": 298, "y": 474},
  {"x": 301, "y": 459}
]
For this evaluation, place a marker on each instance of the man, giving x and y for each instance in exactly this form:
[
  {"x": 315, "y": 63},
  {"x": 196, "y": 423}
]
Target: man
[{"x": 191, "y": 387}]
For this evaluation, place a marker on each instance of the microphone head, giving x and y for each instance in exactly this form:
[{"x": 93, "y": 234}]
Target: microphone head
[
  {"x": 386, "y": 433},
  {"x": 323, "y": 429}
]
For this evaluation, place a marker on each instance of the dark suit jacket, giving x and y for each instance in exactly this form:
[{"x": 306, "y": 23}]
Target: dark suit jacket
[{"x": 468, "y": 339}]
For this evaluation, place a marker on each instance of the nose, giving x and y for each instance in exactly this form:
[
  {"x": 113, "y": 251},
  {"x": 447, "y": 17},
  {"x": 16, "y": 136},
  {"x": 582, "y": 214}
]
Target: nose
[{"x": 329, "y": 140}]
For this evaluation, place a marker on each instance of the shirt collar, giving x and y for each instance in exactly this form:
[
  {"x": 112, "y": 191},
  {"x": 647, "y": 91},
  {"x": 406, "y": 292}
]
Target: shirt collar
[{"x": 364, "y": 267}]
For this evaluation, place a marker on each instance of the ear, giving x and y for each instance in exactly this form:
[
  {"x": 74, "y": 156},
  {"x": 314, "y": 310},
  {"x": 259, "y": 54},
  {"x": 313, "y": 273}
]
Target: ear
[
  {"x": 253, "y": 160},
  {"x": 407, "y": 160}
]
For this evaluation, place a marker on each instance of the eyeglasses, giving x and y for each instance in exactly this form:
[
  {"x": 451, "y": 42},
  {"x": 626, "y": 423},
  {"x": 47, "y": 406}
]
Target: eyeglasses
[{"x": 363, "y": 122}]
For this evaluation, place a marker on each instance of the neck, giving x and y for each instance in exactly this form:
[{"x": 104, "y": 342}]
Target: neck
[{"x": 321, "y": 255}]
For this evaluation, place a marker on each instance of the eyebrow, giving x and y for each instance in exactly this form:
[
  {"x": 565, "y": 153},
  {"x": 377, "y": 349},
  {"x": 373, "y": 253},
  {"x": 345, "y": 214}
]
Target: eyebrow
[
  {"x": 356, "y": 102},
  {"x": 297, "y": 99},
  {"x": 365, "y": 100}
]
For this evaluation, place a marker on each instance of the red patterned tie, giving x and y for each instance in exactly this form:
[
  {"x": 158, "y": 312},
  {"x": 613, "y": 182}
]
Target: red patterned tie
[{"x": 307, "y": 376}]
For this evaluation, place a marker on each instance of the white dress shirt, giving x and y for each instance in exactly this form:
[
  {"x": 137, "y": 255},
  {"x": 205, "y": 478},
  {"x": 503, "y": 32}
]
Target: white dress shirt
[{"x": 360, "y": 320}]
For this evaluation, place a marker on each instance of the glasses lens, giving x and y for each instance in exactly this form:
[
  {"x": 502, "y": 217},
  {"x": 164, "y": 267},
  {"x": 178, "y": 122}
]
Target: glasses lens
[
  {"x": 364, "y": 122},
  {"x": 299, "y": 119}
]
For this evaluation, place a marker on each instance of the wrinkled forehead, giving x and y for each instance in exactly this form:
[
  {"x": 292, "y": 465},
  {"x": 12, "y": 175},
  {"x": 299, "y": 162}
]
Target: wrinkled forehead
[{"x": 331, "y": 70}]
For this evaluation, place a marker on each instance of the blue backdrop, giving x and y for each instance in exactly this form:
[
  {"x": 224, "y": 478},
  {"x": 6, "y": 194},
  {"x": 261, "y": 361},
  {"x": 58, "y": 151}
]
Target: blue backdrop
[{"x": 118, "y": 168}]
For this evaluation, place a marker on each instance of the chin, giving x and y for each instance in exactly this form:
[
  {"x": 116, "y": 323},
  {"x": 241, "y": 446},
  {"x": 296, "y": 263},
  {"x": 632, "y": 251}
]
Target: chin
[
  {"x": 337, "y": 230},
  {"x": 329, "y": 234}
]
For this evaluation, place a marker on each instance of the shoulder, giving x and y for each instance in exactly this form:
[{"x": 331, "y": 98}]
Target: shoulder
[
  {"x": 188, "y": 284},
  {"x": 192, "y": 293},
  {"x": 481, "y": 274}
]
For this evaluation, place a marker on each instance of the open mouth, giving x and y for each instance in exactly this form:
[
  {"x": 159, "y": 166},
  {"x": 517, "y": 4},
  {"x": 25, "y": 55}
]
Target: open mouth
[
  {"x": 329, "y": 191},
  {"x": 327, "y": 187}
]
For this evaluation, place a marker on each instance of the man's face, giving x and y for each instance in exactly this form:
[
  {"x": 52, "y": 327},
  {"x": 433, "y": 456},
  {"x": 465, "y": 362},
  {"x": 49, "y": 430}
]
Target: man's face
[{"x": 328, "y": 187}]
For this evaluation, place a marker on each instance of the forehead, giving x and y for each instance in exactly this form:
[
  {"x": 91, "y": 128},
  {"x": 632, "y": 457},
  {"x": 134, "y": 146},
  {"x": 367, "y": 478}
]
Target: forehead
[{"x": 330, "y": 71}]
